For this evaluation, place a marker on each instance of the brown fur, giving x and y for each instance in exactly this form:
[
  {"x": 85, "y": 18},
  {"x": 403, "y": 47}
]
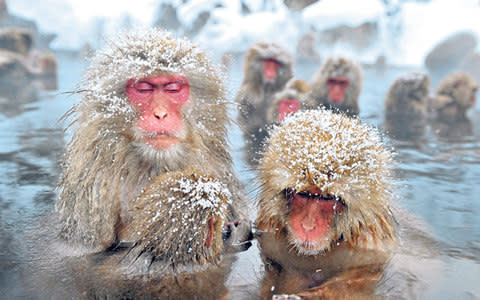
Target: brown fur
[
  {"x": 406, "y": 105},
  {"x": 295, "y": 89},
  {"x": 16, "y": 40},
  {"x": 176, "y": 207},
  {"x": 338, "y": 66},
  {"x": 106, "y": 167},
  {"x": 306, "y": 48},
  {"x": 452, "y": 97},
  {"x": 48, "y": 64},
  {"x": 343, "y": 158},
  {"x": 168, "y": 258},
  {"x": 255, "y": 95}
]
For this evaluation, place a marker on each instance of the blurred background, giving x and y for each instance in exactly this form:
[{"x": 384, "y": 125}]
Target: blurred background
[
  {"x": 45, "y": 46},
  {"x": 402, "y": 30}
]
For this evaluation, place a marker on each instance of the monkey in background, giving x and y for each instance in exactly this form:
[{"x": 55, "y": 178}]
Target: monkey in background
[
  {"x": 294, "y": 97},
  {"x": 306, "y": 49},
  {"x": 337, "y": 85},
  {"x": 326, "y": 227},
  {"x": 455, "y": 95},
  {"x": 406, "y": 106},
  {"x": 151, "y": 104},
  {"x": 16, "y": 40},
  {"x": 267, "y": 68}
]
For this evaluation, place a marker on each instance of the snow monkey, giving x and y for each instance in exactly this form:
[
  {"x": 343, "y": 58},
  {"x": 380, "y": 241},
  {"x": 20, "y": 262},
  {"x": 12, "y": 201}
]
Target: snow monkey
[
  {"x": 406, "y": 105},
  {"x": 337, "y": 85},
  {"x": 267, "y": 68},
  {"x": 294, "y": 97},
  {"x": 326, "y": 228},
  {"x": 16, "y": 40},
  {"x": 151, "y": 104},
  {"x": 455, "y": 94},
  {"x": 173, "y": 246}
]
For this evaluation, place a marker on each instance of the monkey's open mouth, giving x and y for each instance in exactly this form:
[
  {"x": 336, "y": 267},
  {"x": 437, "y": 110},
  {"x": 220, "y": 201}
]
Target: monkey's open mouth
[{"x": 311, "y": 215}]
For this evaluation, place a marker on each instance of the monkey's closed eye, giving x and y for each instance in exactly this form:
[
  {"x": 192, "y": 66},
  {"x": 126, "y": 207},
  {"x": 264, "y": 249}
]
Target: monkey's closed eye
[
  {"x": 144, "y": 87},
  {"x": 172, "y": 87}
]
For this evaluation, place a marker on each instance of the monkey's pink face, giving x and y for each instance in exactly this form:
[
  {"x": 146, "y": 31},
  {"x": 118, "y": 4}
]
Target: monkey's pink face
[
  {"x": 336, "y": 89},
  {"x": 310, "y": 219},
  {"x": 287, "y": 107},
  {"x": 270, "y": 69},
  {"x": 473, "y": 97},
  {"x": 159, "y": 100}
]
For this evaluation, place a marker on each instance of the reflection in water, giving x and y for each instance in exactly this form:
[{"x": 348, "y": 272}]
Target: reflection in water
[{"x": 437, "y": 180}]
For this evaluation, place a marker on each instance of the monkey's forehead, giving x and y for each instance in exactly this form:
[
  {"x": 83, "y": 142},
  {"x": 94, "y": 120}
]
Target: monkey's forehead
[
  {"x": 328, "y": 144},
  {"x": 271, "y": 50},
  {"x": 142, "y": 53}
]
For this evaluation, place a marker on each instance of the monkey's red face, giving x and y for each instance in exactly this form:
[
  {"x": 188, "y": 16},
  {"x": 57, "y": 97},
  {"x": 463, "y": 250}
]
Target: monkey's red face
[
  {"x": 473, "y": 97},
  {"x": 270, "y": 69},
  {"x": 311, "y": 215},
  {"x": 287, "y": 107},
  {"x": 159, "y": 100},
  {"x": 336, "y": 88}
]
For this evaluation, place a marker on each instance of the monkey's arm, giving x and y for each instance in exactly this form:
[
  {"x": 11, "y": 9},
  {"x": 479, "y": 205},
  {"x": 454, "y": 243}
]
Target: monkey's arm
[
  {"x": 178, "y": 215},
  {"x": 237, "y": 236},
  {"x": 358, "y": 283},
  {"x": 441, "y": 101}
]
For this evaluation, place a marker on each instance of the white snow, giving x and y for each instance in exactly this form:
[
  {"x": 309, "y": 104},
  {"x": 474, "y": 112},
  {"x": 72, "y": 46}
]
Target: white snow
[{"x": 424, "y": 24}]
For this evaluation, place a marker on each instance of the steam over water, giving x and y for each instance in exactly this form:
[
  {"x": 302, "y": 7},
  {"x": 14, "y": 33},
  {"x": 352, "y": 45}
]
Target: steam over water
[{"x": 438, "y": 181}]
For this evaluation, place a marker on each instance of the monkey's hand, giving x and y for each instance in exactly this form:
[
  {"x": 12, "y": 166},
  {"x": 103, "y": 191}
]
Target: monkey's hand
[
  {"x": 441, "y": 101},
  {"x": 237, "y": 236},
  {"x": 358, "y": 283}
]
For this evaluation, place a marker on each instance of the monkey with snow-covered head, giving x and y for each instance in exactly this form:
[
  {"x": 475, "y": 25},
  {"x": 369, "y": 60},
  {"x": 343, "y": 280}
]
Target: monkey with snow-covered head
[
  {"x": 151, "y": 104},
  {"x": 326, "y": 226},
  {"x": 267, "y": 68}
]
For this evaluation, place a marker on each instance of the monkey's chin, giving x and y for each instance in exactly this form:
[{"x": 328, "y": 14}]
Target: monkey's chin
[
  {"x": 161, "y": 142},
  {"x": 172, "y": 157},
  {"x": 309, "y": 247},
  {"x": 335, "y": 101}
]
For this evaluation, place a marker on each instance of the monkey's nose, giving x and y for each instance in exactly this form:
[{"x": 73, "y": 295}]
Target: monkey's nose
[
  {"x": 160, "y": 113},
  {"x": 308, "y": 225}
]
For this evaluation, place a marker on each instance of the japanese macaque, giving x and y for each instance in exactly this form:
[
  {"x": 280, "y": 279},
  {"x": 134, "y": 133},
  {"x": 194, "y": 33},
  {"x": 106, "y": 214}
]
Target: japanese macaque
[
  {"x": 326, "y": 228},
  {"x": 293, "y": 98},
  {"x": 48, "y": 71},
  {"x": 16, "y": 85},
  {"x": 267, "y": 68},
  {"x": 455, "y": 95},
  {"x": 406, "y": 105},
  {"x": 17, "y": 40},
  {"x": 337, "y": 85},
  {"x": 173, "y": 246},
  {"x": 306, "y": 48},
  {"x": 151, "y": 104}
]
